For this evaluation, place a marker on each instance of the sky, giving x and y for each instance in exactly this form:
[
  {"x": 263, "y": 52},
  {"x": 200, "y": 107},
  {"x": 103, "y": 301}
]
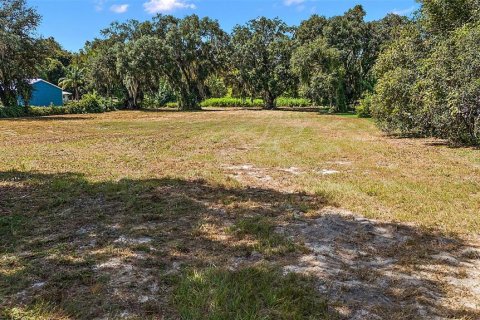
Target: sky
[{"x": 73, "y": 22}]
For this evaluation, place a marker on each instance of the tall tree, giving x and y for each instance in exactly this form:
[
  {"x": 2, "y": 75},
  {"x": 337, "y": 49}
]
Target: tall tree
[
  {"x": 191, "y": 50},
  {"x": 73, "y": 79},
  {"x": 262, "y": 51},
  {"x": 138, "y": 66},
  {"x": 56, "y": 62},
  {"x": 183, "y": 53},
  {"x": 350, "y": 35},
  {"x": 319, "y": 68},
  {"x": 20, "y": 50},
  {"x": 439, "y": 17},
  {"x": 310, "y": 29}
]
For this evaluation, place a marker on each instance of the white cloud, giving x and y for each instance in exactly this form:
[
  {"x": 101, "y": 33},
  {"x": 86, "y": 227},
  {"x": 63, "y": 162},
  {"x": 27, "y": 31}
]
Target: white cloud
[
  {"x": 156, "y": 6},
  {"x": 404, "y": 12},
  {"x": 99, "y": 4},
  {"x": 119, "y": 8},
  {"x": 292, "y": 2}
]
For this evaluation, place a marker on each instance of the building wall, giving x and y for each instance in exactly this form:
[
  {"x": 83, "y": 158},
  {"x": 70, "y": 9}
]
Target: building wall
[{"x": 44, "y": 95}]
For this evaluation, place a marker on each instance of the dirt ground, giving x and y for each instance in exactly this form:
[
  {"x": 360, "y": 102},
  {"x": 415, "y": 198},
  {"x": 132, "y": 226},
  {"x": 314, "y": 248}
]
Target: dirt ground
[{"x": 371, "y": 269}]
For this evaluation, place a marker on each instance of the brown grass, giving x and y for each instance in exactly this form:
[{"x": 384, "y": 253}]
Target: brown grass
[
  {"x": 108, "y": 215},
  {"x": 393, "y": 179}
]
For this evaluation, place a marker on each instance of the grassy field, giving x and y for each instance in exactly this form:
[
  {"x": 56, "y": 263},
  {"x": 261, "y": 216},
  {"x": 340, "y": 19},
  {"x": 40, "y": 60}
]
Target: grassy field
[{"x": 143, "y": 214}]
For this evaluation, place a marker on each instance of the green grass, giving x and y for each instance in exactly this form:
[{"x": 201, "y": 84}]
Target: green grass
[
  {"x": 262, "y": 232},
  {"x": 39, "y": 311},
  {"x": 249, "y": 294}
]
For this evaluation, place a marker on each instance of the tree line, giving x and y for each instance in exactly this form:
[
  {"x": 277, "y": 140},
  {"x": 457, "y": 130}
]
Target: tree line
[
  {"x": 418, "y": 75},
  {"x": 326, "y": 60}
]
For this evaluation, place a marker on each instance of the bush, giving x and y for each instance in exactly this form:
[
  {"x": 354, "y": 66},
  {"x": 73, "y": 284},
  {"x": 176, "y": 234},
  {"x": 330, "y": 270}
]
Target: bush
[
  {"x": 171, "y": 105},
  {"x": 12, "y": 112},
  {"x": 364, "y": 107},
  {"x": 74, "y": 107},
  {"x": 90, "y": 103},
  {"x": 431, "y": 87},
  {"x": 110, "y": 104},
  {"x": 161, "y": 98},
  {"x": 46, "y": 111},
  {"x": 247, "y": 103},
  {"x": 231, "y": 102}
]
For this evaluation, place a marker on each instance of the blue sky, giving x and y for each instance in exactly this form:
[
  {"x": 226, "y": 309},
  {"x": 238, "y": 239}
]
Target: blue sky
[{"x": 72, "y": 22}]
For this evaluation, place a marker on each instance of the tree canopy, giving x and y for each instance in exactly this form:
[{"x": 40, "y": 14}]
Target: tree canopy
[
  {"x": 429, "y": 76},
  {"x": 20, "y": 50},
  {"x": 183, "y": 53},
  {"x": 262, "y": 51}
]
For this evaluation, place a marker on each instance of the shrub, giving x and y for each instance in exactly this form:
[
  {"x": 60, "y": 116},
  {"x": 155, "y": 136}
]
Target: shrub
[
  {"x": 74, "y": 107},
  {"x": 363, "y": 109},
  {"x": 12, "y": 112},
  {"x": 231, "y": 102},
  {"x": 45, "y": 111},
  {"x": 171, "y": 105},
  {"x": 246, "y": 103},
  {"x": 110, "y": 104},
  {"x": 293, "y": 102},
  {"x": 91, "y": 103},
  {"x": 161, "y": 98},
  {"x": 397, "y": 104},
  {"x": 431, "y": 88}
]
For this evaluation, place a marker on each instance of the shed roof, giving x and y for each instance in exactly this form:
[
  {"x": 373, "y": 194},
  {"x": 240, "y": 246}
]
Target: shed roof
[{"x": 33, "y": 81}]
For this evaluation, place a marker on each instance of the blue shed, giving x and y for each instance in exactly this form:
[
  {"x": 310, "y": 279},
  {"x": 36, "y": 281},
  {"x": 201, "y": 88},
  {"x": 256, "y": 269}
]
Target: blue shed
[{"x": 45, "y": 94}]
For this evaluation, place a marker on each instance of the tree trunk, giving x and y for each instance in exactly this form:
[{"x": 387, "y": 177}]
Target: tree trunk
[
  {"x": 189, "y": 104},
  {"x": 270, "y": 101},
  {"x": 188, "y": 100}
]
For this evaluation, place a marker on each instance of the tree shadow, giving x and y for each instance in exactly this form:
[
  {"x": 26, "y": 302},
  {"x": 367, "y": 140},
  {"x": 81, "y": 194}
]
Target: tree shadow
[
  {"x": 230, "y": 109},
  {"x": 431, "y": 141},
  {"x": 301, "y": 109},
  {"x": 176, "y": 110},
  {"x": 390, "y": 270},
  {"x": 117, "y": 248},
  {"x": 48, "y": 118}
]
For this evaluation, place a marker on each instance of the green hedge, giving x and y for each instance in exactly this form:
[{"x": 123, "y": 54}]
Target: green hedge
[
  {"x": 171, "y": 105},
  {"x": 236, "y": 102},
  {"x": 12, "y": 112},
  {"x": 90, "y": 103},
  {"x": 231, "y": 102}
]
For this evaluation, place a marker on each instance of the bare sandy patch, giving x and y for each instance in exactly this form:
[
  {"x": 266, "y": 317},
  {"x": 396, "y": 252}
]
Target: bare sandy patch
[{"x": 376, "y": 270}]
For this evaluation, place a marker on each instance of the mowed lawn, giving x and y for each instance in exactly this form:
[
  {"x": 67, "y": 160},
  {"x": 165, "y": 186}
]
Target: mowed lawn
[{"x": 142, "y": 214}]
